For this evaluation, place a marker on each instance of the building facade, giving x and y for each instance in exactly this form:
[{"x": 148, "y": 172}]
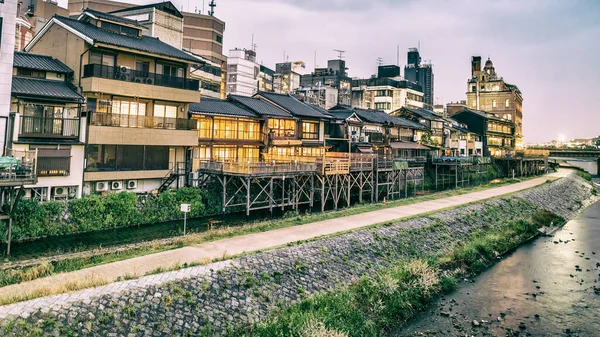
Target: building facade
[
  {"x": 46, "y": 117},
  {"x": 137, "y": 90},
  {"x": 488, "y": 92},
  {"x": 334, "y": 76},
  {"x": 287, "y": 76},
  {"x": 242, "y": 72},
  {"x": 8, "y": 15},
  {"x": 325, "y": 97},
  {"x": 422, "y": 74},
  {"x": 497, "y": 134},
  {"x": 453, "y": 107},
  {"x": 387, "y": 92},
  {"x": 265, "y": 79}
]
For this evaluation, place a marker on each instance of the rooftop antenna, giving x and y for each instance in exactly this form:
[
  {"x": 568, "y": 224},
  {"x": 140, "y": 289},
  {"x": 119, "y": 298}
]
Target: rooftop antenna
[
  {"x": 212, "y": 6},
  {"x": 379, "y": 61},
  {"x": 340, "y": 52}
]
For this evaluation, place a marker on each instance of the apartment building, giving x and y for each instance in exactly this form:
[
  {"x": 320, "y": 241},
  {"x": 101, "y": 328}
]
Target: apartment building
[
  {"x": 265, "y": 79},
  {"x": 497, "y": 134},
  {"x": 334, "y": 76},
  {"x": 137, "y": 90},
  {"x": 435, "y": 133},
  {"x": 325, "y": 97},
  {"x": 209, "y": 74},
  {"x": 287, "y": 76},
  {"x": 242, "y": 72},
  {"x": 46, "y": 117},
  {"x": 387, "y": 92}
]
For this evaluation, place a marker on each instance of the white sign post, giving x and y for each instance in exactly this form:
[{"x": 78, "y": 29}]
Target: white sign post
[{"x": 185, "y": 208}]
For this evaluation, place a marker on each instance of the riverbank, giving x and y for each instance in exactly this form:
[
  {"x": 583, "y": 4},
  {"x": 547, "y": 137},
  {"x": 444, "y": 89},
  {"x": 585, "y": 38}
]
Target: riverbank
[
  {"x": 548, "y": 287},
  {"x": 245, "y": 290},
  {"x": 98, "y": 269}
]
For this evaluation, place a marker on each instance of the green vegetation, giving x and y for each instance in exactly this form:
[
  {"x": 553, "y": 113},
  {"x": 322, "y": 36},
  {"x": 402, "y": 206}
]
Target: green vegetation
[
  {"x": 33, "y": 219},
  {"x": 583, "y": 174},
  {"x": 17, "y": 275},
  {"x": 376, "y": 304}
]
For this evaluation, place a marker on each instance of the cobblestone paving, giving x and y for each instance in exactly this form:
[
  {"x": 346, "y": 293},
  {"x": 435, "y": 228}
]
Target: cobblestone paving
[{"x": 208, "y": 300}]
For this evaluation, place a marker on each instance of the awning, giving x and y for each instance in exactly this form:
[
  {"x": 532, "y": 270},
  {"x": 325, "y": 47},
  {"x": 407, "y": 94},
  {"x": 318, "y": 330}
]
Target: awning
[
  {"x": 364, "y": 149},
  {"x": 408, "y": 145}
]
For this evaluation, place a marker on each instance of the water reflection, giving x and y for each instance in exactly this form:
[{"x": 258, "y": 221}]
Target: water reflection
[{"x": 545, "y": 288}]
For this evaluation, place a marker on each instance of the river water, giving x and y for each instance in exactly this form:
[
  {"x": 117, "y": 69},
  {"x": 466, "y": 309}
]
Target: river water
[{"x": 545, "y": 288}]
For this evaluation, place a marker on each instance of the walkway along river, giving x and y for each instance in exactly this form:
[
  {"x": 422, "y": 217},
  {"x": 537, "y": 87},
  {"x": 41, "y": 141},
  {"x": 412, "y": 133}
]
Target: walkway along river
[{"x": 548, "y": 287}]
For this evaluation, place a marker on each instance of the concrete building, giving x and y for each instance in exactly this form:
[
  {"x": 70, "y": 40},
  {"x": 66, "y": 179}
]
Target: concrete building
[
  {"x": 422, "y": 74},
  {"x": 32, "y": 15},
  {"x": 210, "y": 76},
  {"x": 265, "y": 79},
  {"x": 8, "y": 15},
  {"x": 242, "y": 72},
  {"x": 489, "y": 92},
  {"x": 334, "y": 76},
  {"x": 497, "y": 134},
  {"x": 137, "y": 90},
  {"x": 387, "y": 92},
  {"x": 46, "y": 117},
  {"x": 325, "y": 97},
  {"x": 287, "y": 76},
  {"x": 161, "y": 20}
]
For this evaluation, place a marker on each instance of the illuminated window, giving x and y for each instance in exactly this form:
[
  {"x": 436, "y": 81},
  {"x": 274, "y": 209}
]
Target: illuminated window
[
  {"x": 507, "y": 103},
  {"x": 282, "y": 127},
  {"x": 494, "y": 104},
  {"x": 310, "y": 130},
  {"x": 205, "y": 126}
]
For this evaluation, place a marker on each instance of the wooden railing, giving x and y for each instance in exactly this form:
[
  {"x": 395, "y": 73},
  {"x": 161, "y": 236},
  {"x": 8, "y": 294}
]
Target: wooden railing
[{"x": 256, "y": 168}]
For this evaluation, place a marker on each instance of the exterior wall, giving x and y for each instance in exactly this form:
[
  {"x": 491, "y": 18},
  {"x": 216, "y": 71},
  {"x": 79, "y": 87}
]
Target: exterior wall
[
  {"x": 168, "y": 28},
  {"x": 242, "y": 74},
  {"x": 8, "y": 13},
  {"x": 64, "y": 46},
  {"x": 141, "y": 136},
  {"x": 75, "y": 177},
  {"x": 201, "y": 34}
]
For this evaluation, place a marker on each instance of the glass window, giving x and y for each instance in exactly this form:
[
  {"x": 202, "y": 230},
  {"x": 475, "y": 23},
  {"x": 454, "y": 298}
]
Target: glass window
[
  {"x": 156, "y": 158},
  {"x": 130, "y": 158},
  {"x": 310, "y": 130},
  {"x": 205, "y": 128},
  {"x": 493, "y": 103},
  {"x": 31, "y": 73},
  {"x": 507, "y": 103},
  {"x": 282, "y": 127}
]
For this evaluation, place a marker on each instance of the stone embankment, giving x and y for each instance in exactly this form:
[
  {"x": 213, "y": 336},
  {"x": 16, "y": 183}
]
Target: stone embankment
[{"x": 207, "y": 301}]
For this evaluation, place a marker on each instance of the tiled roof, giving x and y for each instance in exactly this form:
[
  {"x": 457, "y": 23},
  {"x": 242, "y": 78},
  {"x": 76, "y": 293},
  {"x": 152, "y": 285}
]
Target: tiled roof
[
  {"x": 294, "y": 106},
  {"x": 111, "y": 17},
  {"x": 145, "y": 43},
  {"x": 165, "y": 6},
  {"x": 39, "y": 62},
  {"x": 424, "y": 113},
  {"x": 260, "y": 107},
  {"x": 43, "y": 88},
  {"x": 484, "y": 115},
  {"x": 374, "y": 116},
  {"x": 212, "y": 106}
]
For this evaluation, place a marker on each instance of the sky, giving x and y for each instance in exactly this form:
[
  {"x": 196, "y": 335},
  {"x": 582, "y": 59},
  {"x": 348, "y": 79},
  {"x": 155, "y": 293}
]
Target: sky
[{"x": 548, "y": 48}]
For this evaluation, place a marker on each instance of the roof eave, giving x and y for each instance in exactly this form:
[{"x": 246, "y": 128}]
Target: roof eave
[{"x": 48, "y": 25}]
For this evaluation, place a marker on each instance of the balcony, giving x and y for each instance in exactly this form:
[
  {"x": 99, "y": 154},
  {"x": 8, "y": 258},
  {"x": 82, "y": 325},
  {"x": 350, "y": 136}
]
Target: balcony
[
  {"x": 148, "y": 122},
  {"x": 133, "y": 83},
  {"x": 18, "y": 168},
  {"x": 129, "y": 75},
  {"x": 48, "y": 127}
]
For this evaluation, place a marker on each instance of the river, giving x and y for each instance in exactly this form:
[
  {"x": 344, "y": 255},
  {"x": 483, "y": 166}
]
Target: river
[{"x": 544, "y": 288}]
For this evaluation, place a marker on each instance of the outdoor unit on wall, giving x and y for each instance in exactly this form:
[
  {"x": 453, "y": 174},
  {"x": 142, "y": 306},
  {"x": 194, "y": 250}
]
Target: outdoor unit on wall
[
  {"x": 102, "y": 186},
  {"x": 61, "y": 191},
  {"x": 131, "y": 184},
  {"x": 116, "y": 185}
]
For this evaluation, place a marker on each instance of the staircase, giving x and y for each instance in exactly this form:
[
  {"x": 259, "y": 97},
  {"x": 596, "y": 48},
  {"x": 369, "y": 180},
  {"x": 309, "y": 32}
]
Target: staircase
[{"x": 174, "y": 174}]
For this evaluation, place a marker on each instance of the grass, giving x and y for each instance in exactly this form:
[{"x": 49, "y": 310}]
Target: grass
[
  {"x": 53, "y": 290},
  {"x": 376, "y": 304},
  {"x": 17, "y": 275}
]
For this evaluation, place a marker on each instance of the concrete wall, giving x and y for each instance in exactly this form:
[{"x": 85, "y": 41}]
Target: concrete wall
[
  {"x": 8, "y": 10},
  {"x": 141, "y": 136}
]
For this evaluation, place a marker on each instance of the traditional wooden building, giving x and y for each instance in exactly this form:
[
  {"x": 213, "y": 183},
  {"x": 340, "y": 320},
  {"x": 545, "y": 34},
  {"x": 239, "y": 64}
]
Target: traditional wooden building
[{"x": 497, "y": 134}]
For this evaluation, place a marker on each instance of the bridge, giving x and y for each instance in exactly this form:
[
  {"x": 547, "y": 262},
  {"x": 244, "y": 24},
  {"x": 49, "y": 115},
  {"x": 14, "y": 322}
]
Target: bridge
[{"x": 589, "y": 160}]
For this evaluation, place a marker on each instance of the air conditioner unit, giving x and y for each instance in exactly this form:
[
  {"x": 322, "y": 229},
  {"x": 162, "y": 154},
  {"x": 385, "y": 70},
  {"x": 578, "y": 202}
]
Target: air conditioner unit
[
  {"x": 131, "y": 184},
  {"x": 61, "y": 191},
  {"x": 102, "y": 186},
  {"x": 116, "y": 185}
]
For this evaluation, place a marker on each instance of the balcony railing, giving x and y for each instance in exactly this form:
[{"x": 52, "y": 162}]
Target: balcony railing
[
  {"x": 148, "y": 122},
  {"x": 53, "y": 166},
  {"x": 18, "y": 168},
  {"x": 142, "y": 77},
  {"x": 256, "y": 168},
  {"x": 49, "y": 127}
]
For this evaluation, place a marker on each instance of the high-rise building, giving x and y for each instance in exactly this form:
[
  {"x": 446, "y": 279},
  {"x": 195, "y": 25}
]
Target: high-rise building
[
  {"x": 420, "y": 73},
  {"x": 8, "y": 15},
  {"x": 242, "y": 72},
  {"x": 334, "y": 76},
  {"x": 487, "y": 91}
]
